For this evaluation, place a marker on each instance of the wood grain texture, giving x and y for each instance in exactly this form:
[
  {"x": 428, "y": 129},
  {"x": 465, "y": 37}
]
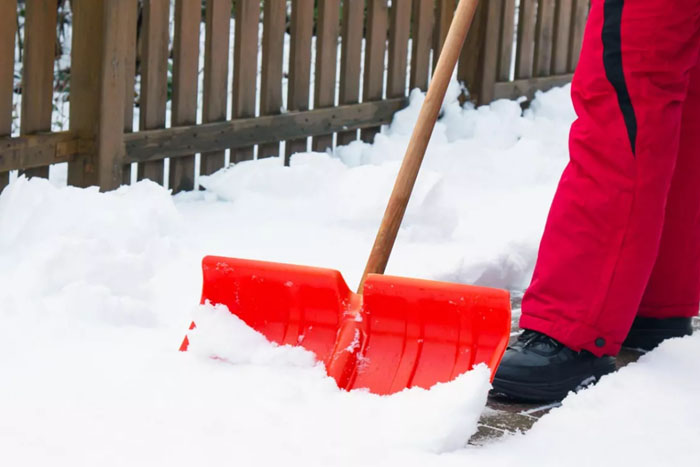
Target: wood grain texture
[
  {"x": 326, "y": 57},
  {"x": 418, "y": 143},
  {"x": 544, "y": 38},
  {"x": 526, "y": 39},
  {"x": 302, "y": 25},
  {"x": 491, "y": 47},
  {"x": 527, "y": 87},
  {"x": 99, "y": 63},
  {"x": 8, "y": 29},
  {"x": 399, "y": 32},
  {"x": 506, "y": 39},
  {"x": 470, "y": 68},
  {"x": 351, "y": 60},
  {"x": 37, "y": 71},
  {"x": 274, "y": 23},
  {"x": 215, "y": 92},
  {"x": 185, "y": 84},
  {"x": 443, "y": 17},
  {"x": 154, "y": 77},
  {"x": 41, "y": 149},
  {"x": 245, "y": 68},
  {"x": 173, "y": 142},
  {"x": 422, "y": 35},
  {"x": 562, "y": 32},
  {"x": 578, "y": 26},
  {"x": 375, "y": 51}
]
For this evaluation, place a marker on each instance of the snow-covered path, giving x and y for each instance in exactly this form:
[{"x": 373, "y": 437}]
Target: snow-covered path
[{"x": 96, "y": 291}]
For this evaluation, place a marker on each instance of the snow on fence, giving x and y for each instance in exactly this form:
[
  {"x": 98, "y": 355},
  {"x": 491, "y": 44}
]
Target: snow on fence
[{"x": 383, "y": 49}]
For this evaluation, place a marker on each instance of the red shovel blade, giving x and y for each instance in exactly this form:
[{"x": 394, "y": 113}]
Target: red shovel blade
[{"x": 400, "y": 333}]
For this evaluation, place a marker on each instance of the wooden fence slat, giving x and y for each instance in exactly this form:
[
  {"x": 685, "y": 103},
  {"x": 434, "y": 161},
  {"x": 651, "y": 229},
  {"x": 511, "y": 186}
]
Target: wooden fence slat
[
  {"x": 491, "y": 17},
  {"x": 578, "y": 25},
  {"x": 154, "y": 77},
  {"x": 185, "y": 80},
  {"x": 37, "y": 71},
  {"x": 245, "y": 68},
  {"x": 173, "y": 142},
  {"x": 216, "y": 44},
  {"x": 375, "y": 50},
  {"x": 399, "y": 32},
  {"x": 443, "y": 18},
  {"x": 422, "y": 36},
  {"x": 544, "y": 35},
  {"x": 131, "y": 26},
  {"x": 302, "y": 26},
  {"x": 8, "y": 29},
  {"x": 526, "y": 39},
  {"x": 560, "y": 48},
  {"x": 351, "y": 60},
  {"x": 326, "y": 62},
  {"x": 98, "y": 63},
  {"x": 507, "y": 36},
  {"x": 470, "y": 68},
  {"x": 274, "y": 23}
]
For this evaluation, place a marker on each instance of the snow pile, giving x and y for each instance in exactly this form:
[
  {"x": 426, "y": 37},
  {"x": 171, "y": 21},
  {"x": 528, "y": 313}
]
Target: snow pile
[
  {"x": 97, "y": 291},
  {"x": 438, "y": 420}
]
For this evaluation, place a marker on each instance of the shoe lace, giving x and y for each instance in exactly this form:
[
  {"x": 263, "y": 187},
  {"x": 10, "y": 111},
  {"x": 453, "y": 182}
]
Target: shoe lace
[{"x": 529, "y": 337}]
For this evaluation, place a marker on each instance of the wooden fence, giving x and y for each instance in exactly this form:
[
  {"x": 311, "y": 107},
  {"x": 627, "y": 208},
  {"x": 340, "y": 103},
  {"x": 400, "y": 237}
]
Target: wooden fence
[{"x": 513, "y": 49}]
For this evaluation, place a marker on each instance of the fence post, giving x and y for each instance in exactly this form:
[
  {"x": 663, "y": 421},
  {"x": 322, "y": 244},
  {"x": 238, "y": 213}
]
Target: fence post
[{"x": 98, "y": 91}]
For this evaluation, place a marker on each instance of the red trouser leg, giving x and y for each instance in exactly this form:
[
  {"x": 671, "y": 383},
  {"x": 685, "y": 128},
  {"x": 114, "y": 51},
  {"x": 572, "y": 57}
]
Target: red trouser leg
[
  {"x": 674, "y": 287},
  {"x": 604, "y": 227}
]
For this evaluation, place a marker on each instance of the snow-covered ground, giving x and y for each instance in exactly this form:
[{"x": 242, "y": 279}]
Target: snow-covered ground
[{"x": 97, "y": 290}]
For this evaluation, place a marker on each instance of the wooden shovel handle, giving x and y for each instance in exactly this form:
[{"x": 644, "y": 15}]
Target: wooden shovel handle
[{"x": 395, "y": 210}]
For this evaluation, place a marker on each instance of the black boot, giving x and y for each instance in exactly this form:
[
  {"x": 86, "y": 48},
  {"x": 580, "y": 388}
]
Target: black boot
[
  {"x": 540, "y": 369},
  {"x": 647, "y": 333}
]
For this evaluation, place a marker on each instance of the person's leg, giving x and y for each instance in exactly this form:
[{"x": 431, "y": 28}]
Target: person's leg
[
  {"x": 672, "y": 294},
  {"x": 604, "y": 228}
]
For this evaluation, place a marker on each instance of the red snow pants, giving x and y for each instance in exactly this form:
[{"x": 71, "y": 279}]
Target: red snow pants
[{"x": 623, "y": 234}]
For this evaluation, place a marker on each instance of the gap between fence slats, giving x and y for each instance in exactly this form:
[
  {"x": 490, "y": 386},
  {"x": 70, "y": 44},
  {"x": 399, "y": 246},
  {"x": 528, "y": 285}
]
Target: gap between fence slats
[
  {"x": 302, "y": 25},
  {"x": 154, "y": 77},
  {"x": 130, "y": 24},
  {"x": 562, "y": 24},
  {"x": 351, "y": 60},
  {"x": 326, "y": 56},
  {"x": 245, "y": 68},
  {"x": 185, "y": 80},
  {"x": 422, "y": 37},
  {"x": 218, "y": 29},
  {"x": 8, "y": 29},
  {"x": 274, "y": 23},
  {"x": 37, "y": 71},
  {"x": 544, "y": 35},
  {"x": 375, "y": 51},
  {"x": 526, "y": 39}
]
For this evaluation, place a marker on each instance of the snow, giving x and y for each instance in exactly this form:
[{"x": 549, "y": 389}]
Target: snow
[{"x": 98, "y": 289}]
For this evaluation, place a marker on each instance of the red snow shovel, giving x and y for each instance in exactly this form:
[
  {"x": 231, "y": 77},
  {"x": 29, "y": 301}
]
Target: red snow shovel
[{"x": 394, "y": 333}]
